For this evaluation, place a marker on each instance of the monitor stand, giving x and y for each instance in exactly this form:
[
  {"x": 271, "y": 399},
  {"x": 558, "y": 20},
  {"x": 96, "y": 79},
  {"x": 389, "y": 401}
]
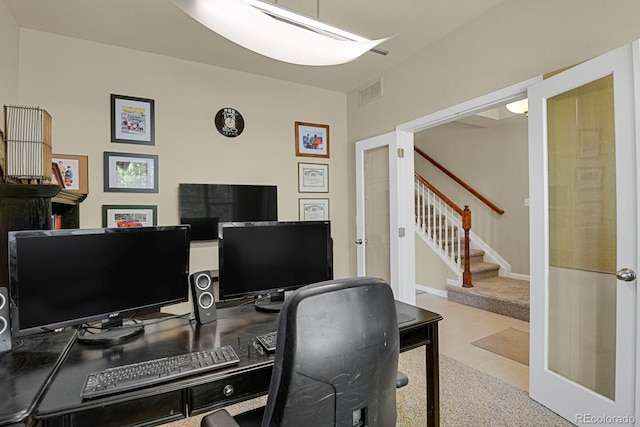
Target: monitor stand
[
  {"x": 271, "y": 303},
  {"x": 112, "y": 332}
]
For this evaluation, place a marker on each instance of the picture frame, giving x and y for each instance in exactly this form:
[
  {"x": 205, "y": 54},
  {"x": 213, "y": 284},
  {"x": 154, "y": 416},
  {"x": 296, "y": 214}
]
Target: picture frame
[
  {"x": 130, "y": 173},
  {"x": 589, "y": 144},
  {"x": 313, "y": 209},
  {"x": 589, "y": 178},
  {"x": 56, "y": 177},
  {"x": 132, "y": 120},
  {"x": 122, "y": 216},
  {"x": 313, "y": 178},
  {"x": 74, "y": 172},
  {"x": 312, "y": 140}
]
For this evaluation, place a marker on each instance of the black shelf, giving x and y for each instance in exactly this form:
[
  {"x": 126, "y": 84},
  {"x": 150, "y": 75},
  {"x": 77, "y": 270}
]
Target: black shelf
[{"x": 30, "y": 207}]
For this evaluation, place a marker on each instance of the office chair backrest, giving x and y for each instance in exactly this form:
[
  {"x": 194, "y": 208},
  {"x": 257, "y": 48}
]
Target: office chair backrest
[{"x": 337, "y": 356}]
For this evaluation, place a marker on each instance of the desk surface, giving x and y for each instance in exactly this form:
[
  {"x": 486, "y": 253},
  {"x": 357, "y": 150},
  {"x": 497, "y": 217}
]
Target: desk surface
[
  {"x": 236, "y": 326},
  {"x": 26, "y": 369}
]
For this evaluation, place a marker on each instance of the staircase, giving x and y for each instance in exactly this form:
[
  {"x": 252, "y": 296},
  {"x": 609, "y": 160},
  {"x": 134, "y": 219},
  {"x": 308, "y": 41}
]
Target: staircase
[
  {"x": 490, "y": 292},
  {"x": 440, "y": 223}
]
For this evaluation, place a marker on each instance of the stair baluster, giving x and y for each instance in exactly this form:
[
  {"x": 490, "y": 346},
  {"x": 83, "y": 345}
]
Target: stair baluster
[{"x": 440, "y": 220}]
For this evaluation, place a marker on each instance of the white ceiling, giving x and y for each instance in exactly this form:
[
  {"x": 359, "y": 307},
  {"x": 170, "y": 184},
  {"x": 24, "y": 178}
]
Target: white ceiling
[{"x": 157, "y": 26}]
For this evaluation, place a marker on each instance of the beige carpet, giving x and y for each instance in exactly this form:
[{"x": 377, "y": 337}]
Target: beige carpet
[
  {"x": 468, "y": 398},
  {"x": 502, "y": 295},
  {"x": 510, "y": 343}
]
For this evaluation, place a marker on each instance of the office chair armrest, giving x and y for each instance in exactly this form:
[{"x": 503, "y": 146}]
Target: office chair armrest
[
  {"x": 401, "y": 380},
  {"x": 219, "y": 418}
]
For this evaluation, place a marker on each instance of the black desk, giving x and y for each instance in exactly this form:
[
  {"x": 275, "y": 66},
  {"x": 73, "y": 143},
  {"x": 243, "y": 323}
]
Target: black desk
[
  {"x": 26, "y": 370},
  {"x": 61, "y": 404}
]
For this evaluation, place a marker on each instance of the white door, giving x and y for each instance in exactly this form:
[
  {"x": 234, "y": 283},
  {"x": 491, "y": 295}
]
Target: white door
[
  {"x": 584, "y": 240},
  {"x": 384, "y": 224}
]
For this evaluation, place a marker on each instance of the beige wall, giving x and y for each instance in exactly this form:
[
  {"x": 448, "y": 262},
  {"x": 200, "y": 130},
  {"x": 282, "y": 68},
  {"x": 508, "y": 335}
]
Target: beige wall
[
  {"x": 513, "y": 42},
  {"x": 494, "y": 161},
  {"x": 73, "y": 80},
  {"x": 9, "y": 36}
]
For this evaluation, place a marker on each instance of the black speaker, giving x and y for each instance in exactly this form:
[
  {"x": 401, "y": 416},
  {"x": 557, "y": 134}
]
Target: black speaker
[
  {"x": 5, "y": 330},
  {"x": 204, "y": 304}
]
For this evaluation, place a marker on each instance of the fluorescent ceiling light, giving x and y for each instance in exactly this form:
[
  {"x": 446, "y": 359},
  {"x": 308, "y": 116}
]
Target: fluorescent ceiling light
[{"x": 277, "y": 32}]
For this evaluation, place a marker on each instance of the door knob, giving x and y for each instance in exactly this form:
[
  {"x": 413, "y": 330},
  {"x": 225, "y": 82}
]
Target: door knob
[
  {"x": 626, "y": 274},
  {"x": 358, "y": 241}
]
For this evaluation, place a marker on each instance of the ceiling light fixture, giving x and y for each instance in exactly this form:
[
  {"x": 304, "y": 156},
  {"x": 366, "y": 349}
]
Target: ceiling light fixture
[
  {"x": 278, "y": 33},
  {"x": 519, "y": 107}
]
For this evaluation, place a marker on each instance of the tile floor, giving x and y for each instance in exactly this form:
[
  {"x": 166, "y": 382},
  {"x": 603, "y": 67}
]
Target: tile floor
[{"x": 461, "y": 325}]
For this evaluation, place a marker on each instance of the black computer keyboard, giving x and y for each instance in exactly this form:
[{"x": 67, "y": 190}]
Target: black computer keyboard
[
  {"x": 268, "y": 340},
  {"x": 127, "y": 377}
]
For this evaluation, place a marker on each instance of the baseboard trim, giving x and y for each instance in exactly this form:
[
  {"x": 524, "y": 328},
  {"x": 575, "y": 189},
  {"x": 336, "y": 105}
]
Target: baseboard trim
[{"x": 433, "y": 291}]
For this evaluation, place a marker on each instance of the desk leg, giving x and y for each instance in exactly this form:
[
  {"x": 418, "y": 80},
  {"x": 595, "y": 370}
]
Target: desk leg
[{"x": 433, "y": 376}]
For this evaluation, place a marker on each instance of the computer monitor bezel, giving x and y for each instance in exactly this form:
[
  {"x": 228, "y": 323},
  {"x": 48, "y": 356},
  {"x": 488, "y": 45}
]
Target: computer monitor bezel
[
  {"x": 276, "y": 292},
  {"x": 105, "y": 316}
]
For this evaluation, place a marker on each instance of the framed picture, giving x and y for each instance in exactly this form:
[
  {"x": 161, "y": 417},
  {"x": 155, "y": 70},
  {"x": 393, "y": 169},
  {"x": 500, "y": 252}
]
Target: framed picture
[
  {"x": 119, "y": 216},
  {"x": 313, "y": 178},
  {"x": 589, "y": 143},
  {"x": 314, "y": 209},
  {"x": 312, "y": 140},
  {"x": 74, "y": 172},
  {"x": 589, "y": 178},
  {"x": 56, "y": 177},
  {"x": 132, "y": 120},
  {"x": 131, "y": 173}
]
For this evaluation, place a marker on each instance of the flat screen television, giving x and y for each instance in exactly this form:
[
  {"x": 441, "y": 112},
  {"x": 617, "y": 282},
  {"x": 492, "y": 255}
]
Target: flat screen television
[
  {"x": 62, "y": 278},
  {"x": 203, "y": 206},
  {"x": 266, "y": 259}
]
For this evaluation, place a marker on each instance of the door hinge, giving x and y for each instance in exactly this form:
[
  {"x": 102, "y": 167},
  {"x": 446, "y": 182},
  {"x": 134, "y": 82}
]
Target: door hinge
[
  {"x": 401, "y": 232},
  {"x": 401, "y": 153}
]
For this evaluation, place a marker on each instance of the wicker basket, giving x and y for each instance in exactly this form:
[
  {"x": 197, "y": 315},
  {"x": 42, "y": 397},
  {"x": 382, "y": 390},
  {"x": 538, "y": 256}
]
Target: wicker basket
[{"x": 28, "y": 142}]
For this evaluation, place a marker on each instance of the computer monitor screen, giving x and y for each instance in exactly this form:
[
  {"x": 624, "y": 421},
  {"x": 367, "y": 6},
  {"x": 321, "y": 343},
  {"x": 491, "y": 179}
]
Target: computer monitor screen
[
  {"x": 260, "y": 258},
  {"x": 203, "y": 206},
  {"x": 61, "y": 278}
]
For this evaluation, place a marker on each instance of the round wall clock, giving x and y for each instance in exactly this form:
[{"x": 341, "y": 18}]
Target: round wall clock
[{"x": 229, "y": 122}]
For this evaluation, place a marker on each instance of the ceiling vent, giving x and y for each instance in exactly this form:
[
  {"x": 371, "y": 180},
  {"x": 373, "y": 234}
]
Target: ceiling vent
[{"x": 370, "y": 92}]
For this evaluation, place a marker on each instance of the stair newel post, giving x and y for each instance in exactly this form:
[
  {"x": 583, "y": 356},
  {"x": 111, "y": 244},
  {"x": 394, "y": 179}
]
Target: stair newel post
[{"x": 466, "y": 226}]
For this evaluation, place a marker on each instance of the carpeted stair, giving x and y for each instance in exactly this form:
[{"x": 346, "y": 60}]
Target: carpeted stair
[{"x": 490, "y": 292}]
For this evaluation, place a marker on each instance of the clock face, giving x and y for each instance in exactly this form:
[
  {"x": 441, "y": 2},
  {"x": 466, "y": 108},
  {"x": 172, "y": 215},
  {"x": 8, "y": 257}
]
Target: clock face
[{"x": 229, "y": 122}]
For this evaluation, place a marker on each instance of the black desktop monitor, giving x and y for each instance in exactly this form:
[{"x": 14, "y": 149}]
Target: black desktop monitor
[
  {"x": 61, "y": 278},
  {"x": 268, "y": 258},
  {"x": 203, "y": 206}
]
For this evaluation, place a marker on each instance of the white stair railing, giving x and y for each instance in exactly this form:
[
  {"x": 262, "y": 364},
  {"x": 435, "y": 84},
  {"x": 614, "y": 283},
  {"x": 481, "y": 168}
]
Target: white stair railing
[{"x": 444, "y": 227}]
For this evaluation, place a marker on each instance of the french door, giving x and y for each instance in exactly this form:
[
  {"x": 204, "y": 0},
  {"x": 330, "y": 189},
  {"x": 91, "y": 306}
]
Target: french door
[
  {"x": 584, "y": 240},
  {"x": 384, "y": 212}
]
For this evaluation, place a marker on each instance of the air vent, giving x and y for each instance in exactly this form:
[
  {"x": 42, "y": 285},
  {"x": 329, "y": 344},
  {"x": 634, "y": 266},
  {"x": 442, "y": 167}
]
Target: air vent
[{"x": 370, "y": 92}]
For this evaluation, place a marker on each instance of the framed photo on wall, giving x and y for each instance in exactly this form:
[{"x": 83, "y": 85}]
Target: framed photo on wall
[
  {"x": 132, "y": 120},
  {"x": 130, "y": 173},
  {"x": 313, "y": 178},
  {"x": 313, "y": 209},
  {"x": 120, "y": 216},
  {"x": 312, "y": 140},
  {"x": 74, "y": 172}
]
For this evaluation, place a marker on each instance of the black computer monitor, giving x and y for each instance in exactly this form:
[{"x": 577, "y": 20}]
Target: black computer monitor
[
  {"x": 267, "y": 258},
  {"x": 203, "y": 206},
  {"x": 62, "y": 278}
]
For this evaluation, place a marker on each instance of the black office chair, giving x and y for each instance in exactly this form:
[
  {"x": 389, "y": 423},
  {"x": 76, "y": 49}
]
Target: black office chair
[{"x": 336, "y": 359}]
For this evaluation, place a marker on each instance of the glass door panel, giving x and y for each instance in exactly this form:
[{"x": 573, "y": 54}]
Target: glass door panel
[
  {"x": 582, "y": 235},
  {"x": 377, "y": 220}
]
